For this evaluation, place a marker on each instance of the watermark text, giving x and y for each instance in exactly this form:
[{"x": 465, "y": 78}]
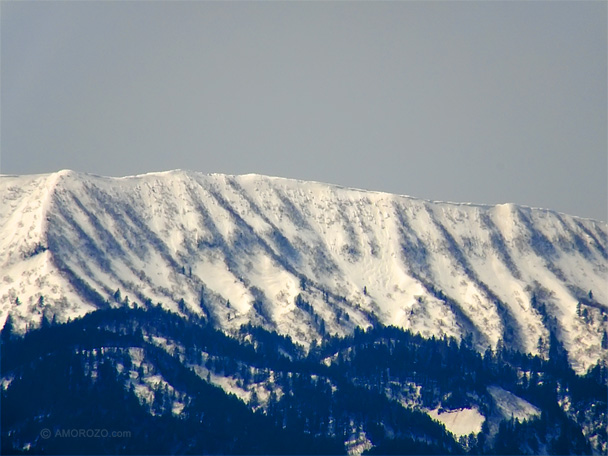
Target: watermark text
[{"x": 89, "y": 433}]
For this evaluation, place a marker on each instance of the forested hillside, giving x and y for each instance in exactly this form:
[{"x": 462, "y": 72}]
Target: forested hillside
[{"x": 168, "y": 384}]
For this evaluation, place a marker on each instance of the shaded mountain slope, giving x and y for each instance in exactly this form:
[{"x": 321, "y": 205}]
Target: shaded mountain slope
[{"x": 305, "y": 259}]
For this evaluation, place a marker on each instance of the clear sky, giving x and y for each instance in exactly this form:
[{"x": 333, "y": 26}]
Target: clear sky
[{"x": 479, "y": 101}]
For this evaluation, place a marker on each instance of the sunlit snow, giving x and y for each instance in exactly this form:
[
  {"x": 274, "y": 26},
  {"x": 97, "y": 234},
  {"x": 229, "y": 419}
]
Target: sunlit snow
[
  {"x": 459, "y": 422},
  {"x": 249, "y": 245}
]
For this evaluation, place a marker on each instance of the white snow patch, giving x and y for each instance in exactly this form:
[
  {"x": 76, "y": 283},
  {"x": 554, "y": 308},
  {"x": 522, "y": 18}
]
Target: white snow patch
[
  {"x": 461, "y": 421},
  {"x": 358, "y": 444},
  {"x": 6, "y": 381}
]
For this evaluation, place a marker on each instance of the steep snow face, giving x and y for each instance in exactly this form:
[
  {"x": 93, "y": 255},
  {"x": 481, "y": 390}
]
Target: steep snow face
[
  {"x": 301, "y": 258},
  {"x": 509, "y": 405},
  {"x": 27, "y": 269}
]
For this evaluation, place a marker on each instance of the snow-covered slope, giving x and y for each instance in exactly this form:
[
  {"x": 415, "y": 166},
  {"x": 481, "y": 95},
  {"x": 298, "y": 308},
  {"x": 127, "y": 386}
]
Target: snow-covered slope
[{"x": 240, "y": 249}]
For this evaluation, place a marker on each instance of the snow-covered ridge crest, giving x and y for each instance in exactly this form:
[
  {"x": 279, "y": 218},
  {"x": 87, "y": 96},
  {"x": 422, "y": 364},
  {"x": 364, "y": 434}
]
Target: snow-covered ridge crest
[{"x": 302, "y": 258}]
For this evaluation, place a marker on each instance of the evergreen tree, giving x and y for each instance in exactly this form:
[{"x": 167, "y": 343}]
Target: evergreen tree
[
  {"x": 8, "y": 329},
  {"x": 181, "y": 305}
]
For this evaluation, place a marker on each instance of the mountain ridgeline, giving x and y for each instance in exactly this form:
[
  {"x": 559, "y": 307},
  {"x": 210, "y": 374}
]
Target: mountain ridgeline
[
  {"x": 196, "y": 313},
  {"x": 253, "y": 249}
]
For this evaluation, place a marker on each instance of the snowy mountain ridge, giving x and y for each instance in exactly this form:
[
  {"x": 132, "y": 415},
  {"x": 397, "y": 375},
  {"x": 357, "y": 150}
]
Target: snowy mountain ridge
[{"x": 302, "y": 258}]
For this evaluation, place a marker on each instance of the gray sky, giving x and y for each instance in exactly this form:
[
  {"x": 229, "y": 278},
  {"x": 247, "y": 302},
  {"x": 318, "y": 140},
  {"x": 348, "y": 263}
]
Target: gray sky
[{"x": 487, "y": 102}]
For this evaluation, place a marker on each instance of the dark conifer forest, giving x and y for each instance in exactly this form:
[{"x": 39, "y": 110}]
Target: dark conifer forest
[{"x": 142, "y": 380}]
